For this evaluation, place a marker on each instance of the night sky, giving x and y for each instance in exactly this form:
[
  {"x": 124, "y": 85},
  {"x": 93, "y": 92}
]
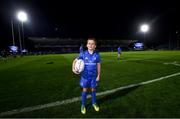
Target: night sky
[{"x": 100, "y": 19}]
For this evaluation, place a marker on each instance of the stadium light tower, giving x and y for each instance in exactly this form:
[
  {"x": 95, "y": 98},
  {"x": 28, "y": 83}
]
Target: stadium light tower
[
  {"x": 12, "y": 30},
  {"x": 22, "y": 17},
  {"x": 144, "y": 28}
]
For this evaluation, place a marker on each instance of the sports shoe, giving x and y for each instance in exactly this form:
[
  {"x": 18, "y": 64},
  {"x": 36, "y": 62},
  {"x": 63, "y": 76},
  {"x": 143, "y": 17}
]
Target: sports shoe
[
  {"x": 83, "y": 109},
  {"x": 96, "y": 107}
]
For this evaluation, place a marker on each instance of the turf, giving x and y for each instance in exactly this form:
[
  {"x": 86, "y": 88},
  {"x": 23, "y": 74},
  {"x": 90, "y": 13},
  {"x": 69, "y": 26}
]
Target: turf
[{"x": 33, "y": 80}]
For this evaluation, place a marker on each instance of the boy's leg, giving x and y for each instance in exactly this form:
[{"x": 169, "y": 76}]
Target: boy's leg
[
  {"x": 84, "y": 94},
  {"x": 83, "y": 103},
  {"x": 93, "y": 94}
]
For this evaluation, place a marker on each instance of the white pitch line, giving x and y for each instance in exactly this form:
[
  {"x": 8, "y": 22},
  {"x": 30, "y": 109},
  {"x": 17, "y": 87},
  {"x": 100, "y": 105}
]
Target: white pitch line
[
  {"x": 75, "y": 99},
  {"x": 172, "y": 63}
]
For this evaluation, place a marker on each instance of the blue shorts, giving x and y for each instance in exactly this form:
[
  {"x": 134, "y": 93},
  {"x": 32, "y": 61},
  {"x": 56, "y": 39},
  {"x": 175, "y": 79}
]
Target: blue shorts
[{"x": 88, "y": 83}]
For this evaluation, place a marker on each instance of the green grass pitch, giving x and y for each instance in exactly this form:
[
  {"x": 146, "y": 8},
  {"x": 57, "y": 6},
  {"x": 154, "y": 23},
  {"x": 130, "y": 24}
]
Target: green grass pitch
[{"x": 35, "y": 80}]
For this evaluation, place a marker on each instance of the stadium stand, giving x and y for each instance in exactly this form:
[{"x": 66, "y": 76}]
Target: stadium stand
[{"x": 68, "y": 45}]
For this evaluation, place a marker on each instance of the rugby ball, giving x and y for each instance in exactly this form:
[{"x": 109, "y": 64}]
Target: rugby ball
[{"x": 79, "y": 66}]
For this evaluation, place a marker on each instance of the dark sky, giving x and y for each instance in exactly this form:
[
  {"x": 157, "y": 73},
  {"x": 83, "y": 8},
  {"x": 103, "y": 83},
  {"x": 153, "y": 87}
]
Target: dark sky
[{"x": 110, "y": 19}]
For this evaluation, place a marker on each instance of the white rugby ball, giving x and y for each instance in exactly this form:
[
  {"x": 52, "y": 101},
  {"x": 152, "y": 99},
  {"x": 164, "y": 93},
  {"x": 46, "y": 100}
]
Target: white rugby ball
[{"x": 79, "y": 66}]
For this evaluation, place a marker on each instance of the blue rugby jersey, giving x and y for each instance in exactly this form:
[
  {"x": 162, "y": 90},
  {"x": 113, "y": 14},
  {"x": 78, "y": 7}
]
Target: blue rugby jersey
[{"x": 90, "y": 60}]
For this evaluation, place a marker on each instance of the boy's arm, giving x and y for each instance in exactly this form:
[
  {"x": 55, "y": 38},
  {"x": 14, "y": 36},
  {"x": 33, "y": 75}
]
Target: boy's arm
[{"x": 98, "y": 71}]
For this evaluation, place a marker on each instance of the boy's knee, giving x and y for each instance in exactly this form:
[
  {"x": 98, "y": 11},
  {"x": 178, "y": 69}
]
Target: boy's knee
[
  {"x": 93, "y": 89},
  {"x": 84, "y": 89}
]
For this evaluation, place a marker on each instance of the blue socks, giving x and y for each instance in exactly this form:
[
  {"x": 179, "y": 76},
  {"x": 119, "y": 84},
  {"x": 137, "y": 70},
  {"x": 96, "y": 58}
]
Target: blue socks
[
  {"x": 84, "y": 94},
  {"x": 93, "y": 94}
]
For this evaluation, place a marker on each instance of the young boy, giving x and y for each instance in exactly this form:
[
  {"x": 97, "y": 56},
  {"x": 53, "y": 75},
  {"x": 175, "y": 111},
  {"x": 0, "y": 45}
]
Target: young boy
[
  {"x": 119, "y": 53},
  {"x": 91, "y": 74}
]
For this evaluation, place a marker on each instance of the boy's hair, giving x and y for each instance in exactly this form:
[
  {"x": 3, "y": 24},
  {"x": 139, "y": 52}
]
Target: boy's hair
[{"x": 92, "y": 38}]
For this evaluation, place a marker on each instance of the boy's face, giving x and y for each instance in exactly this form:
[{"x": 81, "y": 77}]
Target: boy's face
[{"x": 91, "y": 45}]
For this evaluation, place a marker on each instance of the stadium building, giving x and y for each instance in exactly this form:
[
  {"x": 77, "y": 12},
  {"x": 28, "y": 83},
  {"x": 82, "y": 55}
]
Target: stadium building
[{"x": 69, "y": 45}]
